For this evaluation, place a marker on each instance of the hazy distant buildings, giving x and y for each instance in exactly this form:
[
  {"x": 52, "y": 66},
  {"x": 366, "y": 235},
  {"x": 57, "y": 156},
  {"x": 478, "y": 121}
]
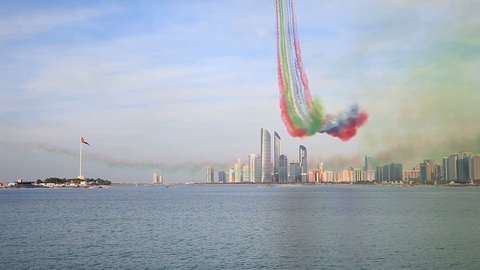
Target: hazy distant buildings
[
  {"x": 157, "y": 178},
  {"x": 222, "y": 177},
  {"x": 210, "y": 175},
  {"x": 238, "y": 171},
  {"x": 368, "y": 163},
  {"x": 266, "y": 156}
]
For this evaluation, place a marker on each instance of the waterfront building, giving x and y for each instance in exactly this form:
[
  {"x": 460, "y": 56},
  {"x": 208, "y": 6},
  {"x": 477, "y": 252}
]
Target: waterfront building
[
  {"x": 277, "y": 151},
  {"x": 328, "y": 176},
  {"x": 209, "y": 175},
  {"x": 463, "y": 166},
  {"x": 452, "y": 167},
  {"x": 356, "y": 175},
  {"x": 386, "y": 173},
  {"x": 295, "y": 172},
  {"x": 368, "y": 163},
  {"x": 302, "y": 158},
  {"x": 427, "y": 170},
  {"x": 369, "y": 175},
  {"x": 222, "y": 177},
  {"x": 411, "y": 175},
  {"x": 283, "y": 169},
  {"x": 231, "y": 175},
  {"x": 266, "y": 156},
  {"x": 396, "y": 172},
  {"x": 155, "y": 177},
  {"x": 245, "y": 174},
  {"x": 445, "y": 168},
  {"x": 255, "y": 168},
  {"x": 379, "y": 174},
  {"x": 238, "y": 171},
  {"x": 475, "y": 167},
  {"x": 317, "y": 176}
]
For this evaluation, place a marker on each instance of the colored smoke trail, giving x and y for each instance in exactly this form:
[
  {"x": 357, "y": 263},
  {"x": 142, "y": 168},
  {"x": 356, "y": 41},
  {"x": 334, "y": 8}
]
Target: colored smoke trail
[{"x": 302, "y": 114}]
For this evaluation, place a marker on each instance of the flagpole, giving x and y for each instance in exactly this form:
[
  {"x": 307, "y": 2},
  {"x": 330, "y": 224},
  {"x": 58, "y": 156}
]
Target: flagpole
[{"x": 80, "y": 176}]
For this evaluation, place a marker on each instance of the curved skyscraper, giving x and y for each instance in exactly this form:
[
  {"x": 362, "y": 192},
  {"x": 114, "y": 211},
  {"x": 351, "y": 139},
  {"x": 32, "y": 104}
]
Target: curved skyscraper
[{"x": 266, "y": 156}]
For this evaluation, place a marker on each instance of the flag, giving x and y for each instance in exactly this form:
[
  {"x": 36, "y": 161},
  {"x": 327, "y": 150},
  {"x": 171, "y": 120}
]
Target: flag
[{"x": 85, "y": 142}]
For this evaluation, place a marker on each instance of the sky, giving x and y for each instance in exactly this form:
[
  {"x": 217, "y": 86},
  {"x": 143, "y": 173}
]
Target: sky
[{"x": 175, "y": 86}]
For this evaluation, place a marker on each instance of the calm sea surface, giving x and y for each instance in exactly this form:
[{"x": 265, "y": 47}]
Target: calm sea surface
[{"x": 240, "y": 227}]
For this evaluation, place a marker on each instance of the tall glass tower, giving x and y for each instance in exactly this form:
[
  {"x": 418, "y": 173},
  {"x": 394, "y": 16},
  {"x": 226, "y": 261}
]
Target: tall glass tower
[
  {"x": 277, "y": 151},
  {"x": 266, "y": 156}
]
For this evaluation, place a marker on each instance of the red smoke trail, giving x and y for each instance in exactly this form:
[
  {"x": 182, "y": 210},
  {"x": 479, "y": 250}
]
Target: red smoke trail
[{"x": 349, "y": 130}]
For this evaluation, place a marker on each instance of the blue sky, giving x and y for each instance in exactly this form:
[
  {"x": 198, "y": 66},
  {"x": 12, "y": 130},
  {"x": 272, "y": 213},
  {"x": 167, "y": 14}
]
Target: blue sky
[{"x": 174, "y": 86}]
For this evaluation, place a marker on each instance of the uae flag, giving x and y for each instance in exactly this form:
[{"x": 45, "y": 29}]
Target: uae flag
[{"x": 85, "y": 142}]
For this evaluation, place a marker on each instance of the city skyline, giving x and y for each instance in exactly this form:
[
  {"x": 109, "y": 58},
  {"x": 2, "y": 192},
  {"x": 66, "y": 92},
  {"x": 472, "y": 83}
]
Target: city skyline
[
  {"x": 463, "y": 166},
  {"x": 175, "y": 86}
]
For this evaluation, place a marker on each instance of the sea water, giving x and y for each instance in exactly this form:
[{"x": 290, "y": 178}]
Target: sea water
[{"x": 240, "y": 227}]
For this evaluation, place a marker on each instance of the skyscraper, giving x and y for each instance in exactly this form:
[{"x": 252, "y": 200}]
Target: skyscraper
[
  {"x": 445, "y": 168},
  {"x": 396, "y": 173},
  {"x": 155, "y": 177},
  {"x": 238, "y": 171},
  {"x": 222, "y": 176},
  {"x": 255, "y": 168},
  {"x": 475, "y": 168},
  {"x": 368, "y": 163},
  {"x": 266, "y": 156},
  {"x": 282, "y": 169},
  {"x": 463, "y": 165},
  {"x": 451, "y": 168},
  {"x": 277, "y": 151},
  {"x": 302, "y": 159},
  {"x": 210, "y": 175}
]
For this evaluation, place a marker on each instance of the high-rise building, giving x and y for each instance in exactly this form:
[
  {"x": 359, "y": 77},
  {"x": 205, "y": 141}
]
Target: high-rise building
[
  {"x": 295, "y": 172},
  {"x": 266, "y": 156},
  {"x": 368, "y": 163},
  {"x": 222, "y": 176},
  {"x": 452, "y": 168},
  {"x": 386, "y": 173},
  {"x": 255, "y": 168},
  {"x": 379, "y": 174},
  {"x": 475, "y": 167},
  {"x": 445, "y": 168},
  {"x": 283, "y": 169},
  {"x": 245, "y": 174},
  {"x": 210, "y": 175},
  {"x": 238, "y": 171},
  {"x": 277, "y": 151},
  {"x": 302, "y": 158},
  {"x": 155, "y": 177},
  {"x": 427, "y": 170},
  {"x": 231, "y": 175},
  {"x": 396, "y": 173},
  {"x": 463, "y": 165}
]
